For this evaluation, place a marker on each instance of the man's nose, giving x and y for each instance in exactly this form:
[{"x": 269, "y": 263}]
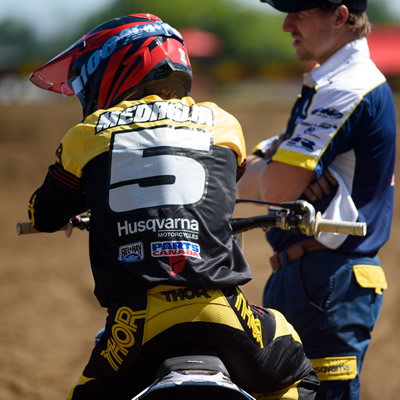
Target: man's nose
[{"x": 289, "y": 22}]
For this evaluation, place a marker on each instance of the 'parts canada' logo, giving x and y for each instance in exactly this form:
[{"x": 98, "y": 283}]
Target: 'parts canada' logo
[
  {"x": 132, "y": 252},
  {"x": 175, "y": 248}
]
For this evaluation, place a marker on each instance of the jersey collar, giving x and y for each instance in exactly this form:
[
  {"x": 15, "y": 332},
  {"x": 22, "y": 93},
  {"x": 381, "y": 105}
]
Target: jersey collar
[{"x": 349, "y": 54}]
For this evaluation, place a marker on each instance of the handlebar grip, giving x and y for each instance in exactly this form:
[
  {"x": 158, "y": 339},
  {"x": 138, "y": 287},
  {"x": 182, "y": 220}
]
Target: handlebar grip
[
  {"x": 80, "y": 221},
  {"x": 349, "y": 228},
  {"x": 25, "y": 228}
]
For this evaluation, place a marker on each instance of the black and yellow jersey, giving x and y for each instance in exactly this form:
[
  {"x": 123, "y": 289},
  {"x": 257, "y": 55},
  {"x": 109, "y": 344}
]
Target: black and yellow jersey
[{"x": 159, "y": 178}]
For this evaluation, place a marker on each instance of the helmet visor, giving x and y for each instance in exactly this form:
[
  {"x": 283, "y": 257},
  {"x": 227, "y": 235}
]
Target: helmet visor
[{"x": 55, "y": 74}]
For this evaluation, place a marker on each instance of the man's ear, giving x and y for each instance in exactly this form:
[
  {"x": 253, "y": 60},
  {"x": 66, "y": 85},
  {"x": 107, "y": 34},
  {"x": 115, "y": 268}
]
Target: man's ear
[{"x": 341, "y": 16}]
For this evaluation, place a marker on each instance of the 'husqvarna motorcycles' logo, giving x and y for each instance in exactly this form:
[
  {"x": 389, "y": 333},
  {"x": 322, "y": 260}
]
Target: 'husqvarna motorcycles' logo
[
  {"x": 172, "y": 228},
  {"x": 175, "y": 248},
  {"x": 131, "y": 252}
]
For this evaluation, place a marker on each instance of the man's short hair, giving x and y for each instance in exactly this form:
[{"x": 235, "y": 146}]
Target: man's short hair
[{"x": 357, "y": 22}]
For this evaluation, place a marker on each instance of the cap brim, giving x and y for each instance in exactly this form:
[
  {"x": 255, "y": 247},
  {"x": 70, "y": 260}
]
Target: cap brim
[{"x": 290, "y": 6}]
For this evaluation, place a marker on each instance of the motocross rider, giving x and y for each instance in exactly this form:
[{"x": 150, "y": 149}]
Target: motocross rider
[{"x": 158, "y": 173}]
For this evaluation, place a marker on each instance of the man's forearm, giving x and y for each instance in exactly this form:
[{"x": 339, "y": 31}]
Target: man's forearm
[{"x": 248, "y": 186}]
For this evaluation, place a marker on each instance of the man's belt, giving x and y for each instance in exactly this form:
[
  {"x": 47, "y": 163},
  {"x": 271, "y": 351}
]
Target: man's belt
[{"x": 295, "y": 252}]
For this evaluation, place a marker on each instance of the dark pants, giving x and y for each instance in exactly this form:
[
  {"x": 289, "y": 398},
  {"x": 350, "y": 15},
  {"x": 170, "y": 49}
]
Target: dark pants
[
  {"x": 333, "y": 300},
  {"x": 259, "y": 348}
]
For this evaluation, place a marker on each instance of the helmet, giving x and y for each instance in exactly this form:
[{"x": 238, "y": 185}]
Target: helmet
[{"x": 117, "y": 60}]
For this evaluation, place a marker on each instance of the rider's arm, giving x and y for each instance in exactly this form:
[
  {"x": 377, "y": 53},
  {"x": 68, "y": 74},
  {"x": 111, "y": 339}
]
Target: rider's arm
[
  {"x": 56, "y": 201},
  {"x": 273, "y": 181}
]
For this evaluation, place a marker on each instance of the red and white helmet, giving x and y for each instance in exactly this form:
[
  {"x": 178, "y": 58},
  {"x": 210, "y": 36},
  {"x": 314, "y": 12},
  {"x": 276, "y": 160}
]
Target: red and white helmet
[{"x": 113, "y": 60}]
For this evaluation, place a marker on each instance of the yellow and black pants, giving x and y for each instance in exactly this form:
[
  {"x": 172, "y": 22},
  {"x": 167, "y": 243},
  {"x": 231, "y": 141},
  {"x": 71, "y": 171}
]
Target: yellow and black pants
[{"x": 260, "y": 349}]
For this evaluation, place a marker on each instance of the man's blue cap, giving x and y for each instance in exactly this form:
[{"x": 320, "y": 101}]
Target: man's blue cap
[{"x": 290, "y": 6}]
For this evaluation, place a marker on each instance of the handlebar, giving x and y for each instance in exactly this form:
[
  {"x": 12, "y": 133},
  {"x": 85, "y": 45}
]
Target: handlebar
[
  {"x": 297, "y": 217},
  {"x": 81, "y": 222},
  {"x": 349, "y": 228}
]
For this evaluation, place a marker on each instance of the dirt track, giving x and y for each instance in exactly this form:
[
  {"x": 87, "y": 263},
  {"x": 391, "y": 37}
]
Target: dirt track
[{"x": 49, "y": 315}]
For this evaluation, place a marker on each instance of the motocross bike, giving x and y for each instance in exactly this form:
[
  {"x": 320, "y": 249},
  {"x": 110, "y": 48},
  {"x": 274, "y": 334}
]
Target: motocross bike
[{"x": 198, "y": 376}]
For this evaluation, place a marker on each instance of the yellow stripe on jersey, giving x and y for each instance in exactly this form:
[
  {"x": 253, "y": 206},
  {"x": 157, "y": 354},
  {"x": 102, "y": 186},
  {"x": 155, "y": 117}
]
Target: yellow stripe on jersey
[
  {"x": 296, "y": 159},
  {"x": 93, "y": 137}
]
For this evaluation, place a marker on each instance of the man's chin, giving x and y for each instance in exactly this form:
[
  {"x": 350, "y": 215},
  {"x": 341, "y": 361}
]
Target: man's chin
[{"x": 303, "y": 57}]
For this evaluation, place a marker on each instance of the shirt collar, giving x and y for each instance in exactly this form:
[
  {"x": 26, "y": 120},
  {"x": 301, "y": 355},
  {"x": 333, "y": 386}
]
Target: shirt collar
[{"x": 348, "y": 54}]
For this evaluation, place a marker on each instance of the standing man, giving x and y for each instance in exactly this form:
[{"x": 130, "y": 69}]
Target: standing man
[{"x": 337, "y": 150}]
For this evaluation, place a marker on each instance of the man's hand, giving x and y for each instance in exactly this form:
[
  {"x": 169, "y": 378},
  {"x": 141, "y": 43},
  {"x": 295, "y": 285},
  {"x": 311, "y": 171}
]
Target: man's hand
[{"x": 322, "y": 187}]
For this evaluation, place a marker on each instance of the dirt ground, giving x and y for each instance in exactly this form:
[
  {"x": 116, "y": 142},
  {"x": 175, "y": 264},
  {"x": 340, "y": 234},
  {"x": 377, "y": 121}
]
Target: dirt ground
[{"x": 48, "y": 314}]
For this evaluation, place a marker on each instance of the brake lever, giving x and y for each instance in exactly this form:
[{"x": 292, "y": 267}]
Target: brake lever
[{"x": 295, "y": 216}]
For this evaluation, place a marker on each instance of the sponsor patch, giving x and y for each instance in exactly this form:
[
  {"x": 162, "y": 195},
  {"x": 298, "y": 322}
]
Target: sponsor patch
[
  {"x": 132, "y": 252},
  {"x": 126, "y": 331},
  {"x": 303, "y": 143},
  {"x": 328, "y": 112},
  {"x": 177, "y": 264},
  {"x": 335, "y": 368},
  {"x": 156, "y": 111},
  {"x": 186, "y": 293},
  {"x": 175, "y": 248},
  {"x": 166, "y": 227}
]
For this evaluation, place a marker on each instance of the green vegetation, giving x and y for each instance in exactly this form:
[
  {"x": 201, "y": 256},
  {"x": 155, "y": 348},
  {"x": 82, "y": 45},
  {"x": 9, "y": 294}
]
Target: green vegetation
[{"x": 253, "y": 42}]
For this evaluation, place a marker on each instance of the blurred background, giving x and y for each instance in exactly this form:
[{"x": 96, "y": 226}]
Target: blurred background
[
  {"x": 241, "y": 60},
  {"x": 228, "y": 40}
]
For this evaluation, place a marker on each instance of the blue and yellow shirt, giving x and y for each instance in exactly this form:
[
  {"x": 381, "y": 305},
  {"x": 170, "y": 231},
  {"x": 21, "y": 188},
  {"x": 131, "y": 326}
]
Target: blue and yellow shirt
[{"x": 344, "y": 121}]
